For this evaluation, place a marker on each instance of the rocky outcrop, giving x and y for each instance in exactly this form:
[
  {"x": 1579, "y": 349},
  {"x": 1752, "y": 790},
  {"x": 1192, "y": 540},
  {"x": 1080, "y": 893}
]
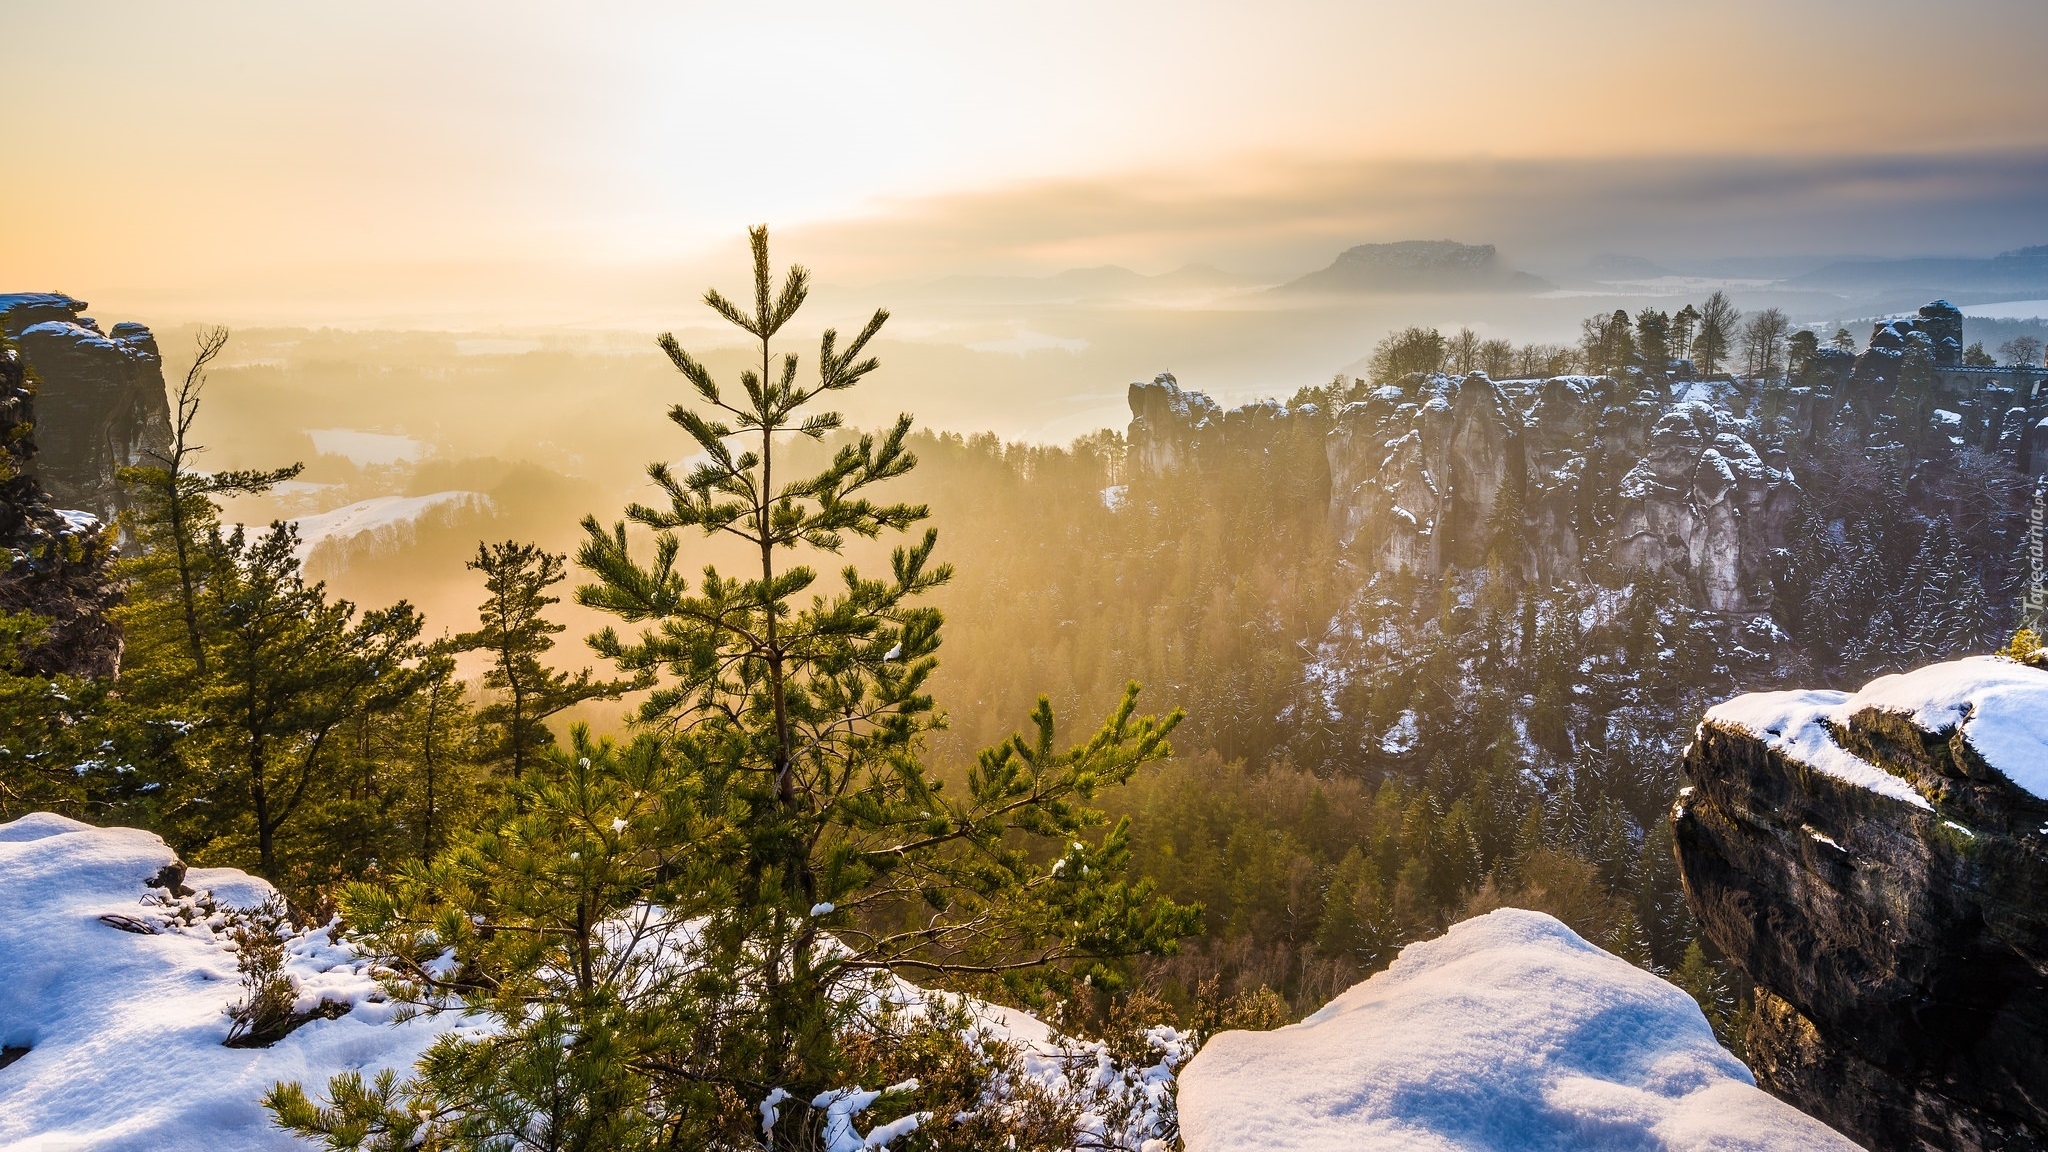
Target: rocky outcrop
[
  {"x": 102, "y": 403},
  {"x": 1878, "y": 864},
  {"x": 1417, "y": 474},
  {"x": 1454, "y": 473},
  {"x": 1704, "y": 509},
  {"x": 55, "y": 559}
]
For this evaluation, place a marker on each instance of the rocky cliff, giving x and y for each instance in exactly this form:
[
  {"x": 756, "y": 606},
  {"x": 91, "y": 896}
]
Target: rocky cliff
[
  {"x": 1877, "y": 863},
  {"x": 55, "y": 559},
  {"x": 102, "y": 402},
  {"x": 1545, "y": 477}
]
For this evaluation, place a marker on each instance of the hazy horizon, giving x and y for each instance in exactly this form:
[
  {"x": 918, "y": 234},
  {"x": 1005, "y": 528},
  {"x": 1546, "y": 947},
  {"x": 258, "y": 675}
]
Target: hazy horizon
[{"x": 486, "y": 168}]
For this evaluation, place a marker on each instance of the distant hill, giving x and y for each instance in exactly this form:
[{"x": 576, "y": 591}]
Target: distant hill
[
  {"x": 1418, "y": 266},
  {"x": 2023, "y": 270}
]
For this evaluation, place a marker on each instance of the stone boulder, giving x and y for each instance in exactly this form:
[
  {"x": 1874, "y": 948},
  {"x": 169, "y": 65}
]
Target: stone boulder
[{"x": 1877, "y": 863}]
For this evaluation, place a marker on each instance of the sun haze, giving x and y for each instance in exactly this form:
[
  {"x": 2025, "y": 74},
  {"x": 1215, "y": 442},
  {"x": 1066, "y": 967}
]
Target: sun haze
[{"x": 504, "y": 163}]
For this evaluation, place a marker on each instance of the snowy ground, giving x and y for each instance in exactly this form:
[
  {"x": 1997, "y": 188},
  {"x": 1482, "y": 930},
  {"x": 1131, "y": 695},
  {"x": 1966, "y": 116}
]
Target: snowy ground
[
  {"x": 124, "y": 1029},
  {"x": 1507, "y": 1034},
  {"x": 2000, "y": 704}
]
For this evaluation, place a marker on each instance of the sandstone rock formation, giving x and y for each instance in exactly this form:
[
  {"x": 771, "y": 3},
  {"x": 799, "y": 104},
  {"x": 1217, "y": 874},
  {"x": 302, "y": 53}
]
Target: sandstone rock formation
[
  {"x": 1703, "y": 508},
  {"x": 55, "y": 560},
  {"x": 1878, "y": 864},
  {"x": 1543, "y": 477},
  {"x": 102, "y": 402}
]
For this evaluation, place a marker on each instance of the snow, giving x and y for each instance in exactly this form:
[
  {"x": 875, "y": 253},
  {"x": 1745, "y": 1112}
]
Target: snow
[
  {"x": 124, "y": 1029},
  {"x": 2010, "y": 310},
  {"x": 365, "y": 447},
  {"x": 1507, "y": 1034},
  {"x": 77, "y": 521},
  {"x": 375, "y": 514},
  {"x": 1402, "y": 736},
  {"x": 2000, "y": 705}
]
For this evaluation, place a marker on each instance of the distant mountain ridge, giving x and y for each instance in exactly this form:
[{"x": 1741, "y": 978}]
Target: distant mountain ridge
[{"x": 1418, "y": 266}]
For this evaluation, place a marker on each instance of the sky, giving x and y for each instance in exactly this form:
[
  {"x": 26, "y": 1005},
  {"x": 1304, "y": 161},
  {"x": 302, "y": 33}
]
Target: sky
[{"x": 500, "y": 164}]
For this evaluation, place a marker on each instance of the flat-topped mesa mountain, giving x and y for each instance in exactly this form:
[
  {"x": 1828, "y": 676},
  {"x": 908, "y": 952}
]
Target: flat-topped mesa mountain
[
  {"x": 1417, "y": 266},
  {"x": 102, "y": 404},
  {"x": 1878, "y": 863}
]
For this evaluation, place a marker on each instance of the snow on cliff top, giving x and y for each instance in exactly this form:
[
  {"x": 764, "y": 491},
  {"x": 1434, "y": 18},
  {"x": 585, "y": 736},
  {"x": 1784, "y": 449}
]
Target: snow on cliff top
[
  {"x": 124, "y": 1029},
  {"x": 2000, "y": 704},
  {"x": 1507, "y": 1034}
]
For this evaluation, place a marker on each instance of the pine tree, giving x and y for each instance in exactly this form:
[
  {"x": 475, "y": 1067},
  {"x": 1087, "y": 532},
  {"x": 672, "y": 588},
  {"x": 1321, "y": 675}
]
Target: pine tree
[
  {"x": 772, "y": 839},
  {"x": 516, "y": 634},
  {"x": 287, "y": 668},
  {"x": 174, "y": 508}
]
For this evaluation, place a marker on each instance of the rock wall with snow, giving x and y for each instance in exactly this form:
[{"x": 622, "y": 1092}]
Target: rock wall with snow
[
  {"x": 1693, "y": 481},
  {"x": 102, "y": 403},
  {"x": 1507, "y": 1034},
  {"x": 1878, "y": 863}
]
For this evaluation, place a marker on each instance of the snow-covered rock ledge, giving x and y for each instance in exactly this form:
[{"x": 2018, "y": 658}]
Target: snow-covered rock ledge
[
  {"x": 114, "y": 995},
  {"x": 1877, "y": 862},
  {"x": 1508, "y": 1033},
  {"x": 121, "y": 1004},
  {"x": 1997, "y": 708}
]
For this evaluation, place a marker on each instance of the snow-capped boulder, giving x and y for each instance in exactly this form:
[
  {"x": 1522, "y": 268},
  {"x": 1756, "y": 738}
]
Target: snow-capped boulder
[
  {"x": 1509, "y": 1032},
  {"x": 118, "y": 992},
  {"x": 1877, "y": 862}
]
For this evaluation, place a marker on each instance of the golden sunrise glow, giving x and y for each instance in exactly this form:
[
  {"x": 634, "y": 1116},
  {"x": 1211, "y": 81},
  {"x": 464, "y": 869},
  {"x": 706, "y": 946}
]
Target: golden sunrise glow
[{"x": 270, "y": 161}]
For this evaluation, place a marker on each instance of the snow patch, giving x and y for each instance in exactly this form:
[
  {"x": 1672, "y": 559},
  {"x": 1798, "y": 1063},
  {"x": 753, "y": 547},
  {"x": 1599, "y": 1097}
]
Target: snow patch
[
  {"x": 376, "y": 514},
  {"x": 1507, "y": 1034},
  {"x": 366, "y": 447}
]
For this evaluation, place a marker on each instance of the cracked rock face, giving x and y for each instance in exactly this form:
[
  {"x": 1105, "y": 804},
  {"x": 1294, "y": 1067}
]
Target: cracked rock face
[
  {"x": 1417, "y": 473},
  {"x": 1426, "y": 475},
  {"x": 1703, "y": 508},
  {"x": 101, "y": 405},
  {"x": 1886, "y": 887}
]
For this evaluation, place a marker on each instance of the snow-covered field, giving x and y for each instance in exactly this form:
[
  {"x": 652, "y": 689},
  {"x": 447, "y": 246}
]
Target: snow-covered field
[
  {"x": 2001, "y": 706},
  {"x": 1507, "y": 1034},
  {"x": 377, "y": 514},
  {"x": 366, "y": 447},
  {"x": 2010, "y": 310}
]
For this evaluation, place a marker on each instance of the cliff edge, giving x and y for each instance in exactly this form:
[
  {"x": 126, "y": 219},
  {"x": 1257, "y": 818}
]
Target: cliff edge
[{"x": 1877, "y": 862}]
